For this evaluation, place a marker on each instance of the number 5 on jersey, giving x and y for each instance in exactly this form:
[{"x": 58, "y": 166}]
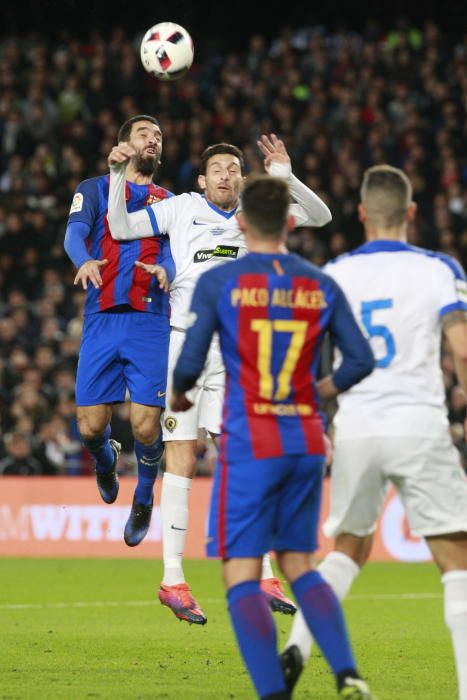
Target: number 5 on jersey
[
  {"x": 266, "y": 329},
  {"x": 379, "y": 331}
]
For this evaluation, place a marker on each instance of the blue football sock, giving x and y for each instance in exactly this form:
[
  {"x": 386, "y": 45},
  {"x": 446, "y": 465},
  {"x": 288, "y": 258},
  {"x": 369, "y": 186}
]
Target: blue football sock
[
  {"x": 323, "y": 614},
  {"x": 148, "y": 457},
  {"x": 101, "y": 451},
  {"x": 256, "y": 636}
]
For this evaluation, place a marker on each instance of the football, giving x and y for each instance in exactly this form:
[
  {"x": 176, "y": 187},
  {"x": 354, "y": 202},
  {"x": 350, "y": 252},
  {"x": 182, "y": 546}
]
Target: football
[{"x": 167, "y": 51}]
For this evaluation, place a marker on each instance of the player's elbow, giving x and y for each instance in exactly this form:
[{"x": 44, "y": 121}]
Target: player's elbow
[
  {"x": 353, "y": 369},
  {"x": 460, "y": 354},
  {"x": 115, "y": 229},
  {"x": 67, "y": 241},
  {"x": 183, "y": 381},
  {"x": 364, "y": 365},
  {"x": 326, "y": 217},
  {"x": 368, "y": 364},
  {"x": 460, "y": 363},
  {"x": 320, "y": 218}
]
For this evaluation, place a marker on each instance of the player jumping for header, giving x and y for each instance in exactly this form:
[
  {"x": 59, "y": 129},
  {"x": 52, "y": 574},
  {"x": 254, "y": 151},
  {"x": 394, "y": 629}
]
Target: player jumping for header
[{"x": 204, "y": 233}]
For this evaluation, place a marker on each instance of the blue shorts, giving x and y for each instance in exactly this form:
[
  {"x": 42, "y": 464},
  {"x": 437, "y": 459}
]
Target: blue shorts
[
  {"x": 120, "y": 351},
  {"x": 265, "y": 504}
]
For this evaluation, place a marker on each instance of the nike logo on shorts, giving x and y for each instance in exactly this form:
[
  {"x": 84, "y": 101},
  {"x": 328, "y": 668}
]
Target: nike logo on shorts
[
  {"x": 183, "y": 529},
  {"x": 160, "y": 394}
]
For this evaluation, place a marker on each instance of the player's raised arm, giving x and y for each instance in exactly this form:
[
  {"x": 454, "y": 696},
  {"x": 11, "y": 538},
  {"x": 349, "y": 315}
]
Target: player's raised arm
[
  {"x": 308, "y": 209},
  {"x": 123, "y": 225},
  {"x": 357, "y": 356}
]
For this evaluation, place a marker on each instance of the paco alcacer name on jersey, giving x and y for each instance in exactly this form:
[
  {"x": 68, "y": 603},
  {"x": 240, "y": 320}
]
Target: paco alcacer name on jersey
[{"x": 220, "y": 251}]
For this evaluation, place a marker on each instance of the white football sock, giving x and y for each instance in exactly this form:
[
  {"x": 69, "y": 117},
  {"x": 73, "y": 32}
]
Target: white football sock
[
  {"x": 340, "y": 571},
  {"x": 455, "y": 615},
  {"x": 174, "y": 516},
  {"x": 266, "y": 571}
]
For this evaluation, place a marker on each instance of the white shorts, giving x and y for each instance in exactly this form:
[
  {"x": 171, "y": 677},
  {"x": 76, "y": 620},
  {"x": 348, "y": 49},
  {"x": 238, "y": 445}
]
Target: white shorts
[
  {"x": 426, "y": 473},
  {"x": 207, "y": 396}
]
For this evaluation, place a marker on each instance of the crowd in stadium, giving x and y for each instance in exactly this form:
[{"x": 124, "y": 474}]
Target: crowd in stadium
[{"x": 341, "y": 101}]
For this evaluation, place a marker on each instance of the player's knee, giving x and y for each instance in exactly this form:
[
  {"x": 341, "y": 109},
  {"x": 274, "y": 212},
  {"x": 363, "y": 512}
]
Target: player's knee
[
  {"x": 146, "y": 433},
  {"x": 356, "y": 548},
  {"x": 180, "y": 458},
  {"x": 90, "y": 429},
  {"x": 293, "y": 564},
  {"x": 449, "y": 551},
  {"x": 145, "y": 425}
]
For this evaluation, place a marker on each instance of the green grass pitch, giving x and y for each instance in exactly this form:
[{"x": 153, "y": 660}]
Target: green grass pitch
[{"x": 74, "y": 629}]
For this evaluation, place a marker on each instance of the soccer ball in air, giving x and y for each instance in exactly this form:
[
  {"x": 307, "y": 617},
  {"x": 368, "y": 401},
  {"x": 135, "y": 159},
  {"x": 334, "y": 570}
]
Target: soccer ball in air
[{"x": 167, "y": 51}]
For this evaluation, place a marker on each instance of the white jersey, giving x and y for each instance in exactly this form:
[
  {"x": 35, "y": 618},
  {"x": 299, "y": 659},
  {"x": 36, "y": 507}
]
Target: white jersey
[
  {"x": 399, "y": 295},
  {"x": 201, "y": 237}
]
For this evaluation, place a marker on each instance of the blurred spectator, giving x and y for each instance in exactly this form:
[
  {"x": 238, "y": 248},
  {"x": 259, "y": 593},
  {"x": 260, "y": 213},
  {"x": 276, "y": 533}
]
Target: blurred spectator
[
  {"x": 19, "y": 460},
  {"x": 60, "y": 447}
]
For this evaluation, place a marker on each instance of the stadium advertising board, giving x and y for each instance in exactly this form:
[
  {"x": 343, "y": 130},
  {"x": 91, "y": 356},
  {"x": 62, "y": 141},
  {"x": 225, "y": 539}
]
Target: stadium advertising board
[{"x": 60, "y": 516}]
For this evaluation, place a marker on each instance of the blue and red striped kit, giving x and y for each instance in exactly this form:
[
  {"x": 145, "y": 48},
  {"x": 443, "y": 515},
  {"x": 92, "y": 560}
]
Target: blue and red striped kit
[
  {"x": 126, "y": 327},
  {"x": 271, "y": 312},
  {"x": 123, "y": 283}
]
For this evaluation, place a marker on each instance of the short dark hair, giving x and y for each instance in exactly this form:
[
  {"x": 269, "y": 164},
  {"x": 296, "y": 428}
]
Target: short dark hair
[
  {"x": 125, "y": 130},
  {"x": 265, "y": 204},
  {"x": 219, "y": 148}
]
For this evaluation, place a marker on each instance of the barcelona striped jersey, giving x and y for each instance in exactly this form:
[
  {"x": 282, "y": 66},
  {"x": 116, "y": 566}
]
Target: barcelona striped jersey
[
  {"x": 123, "y": 283},
  {"x": 271, "y": 312}
]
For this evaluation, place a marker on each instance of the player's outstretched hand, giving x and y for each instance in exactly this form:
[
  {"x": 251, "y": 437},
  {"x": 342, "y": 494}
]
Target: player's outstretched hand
[
  {"x": 90, "y": 271},
  {"x": 156, "y": 271},
  {"x": 120, "y": 154},
  {"x": 273, "y": 150},
  {"x": 179, "y": 402}
]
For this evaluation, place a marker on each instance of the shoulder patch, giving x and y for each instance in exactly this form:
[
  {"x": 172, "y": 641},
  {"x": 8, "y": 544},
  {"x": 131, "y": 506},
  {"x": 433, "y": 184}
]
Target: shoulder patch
[{"x": 77, "y": 203}]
